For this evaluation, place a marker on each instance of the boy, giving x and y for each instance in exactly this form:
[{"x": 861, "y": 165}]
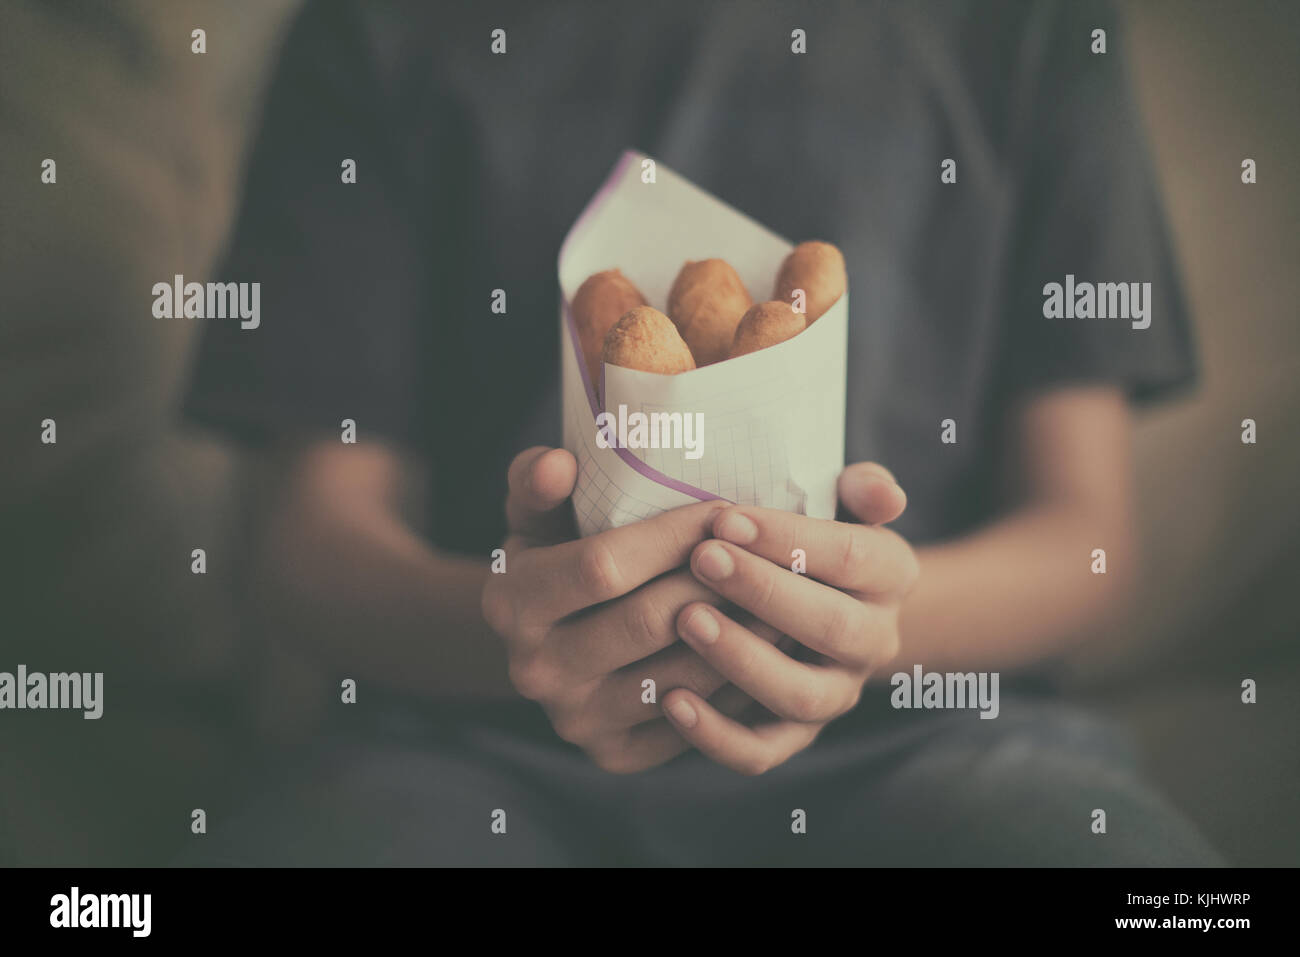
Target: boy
[{"x": 500, "y": 719}]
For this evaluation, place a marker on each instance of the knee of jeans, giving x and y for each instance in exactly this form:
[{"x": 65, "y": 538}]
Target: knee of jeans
[{"x": 1025, "y": 728}]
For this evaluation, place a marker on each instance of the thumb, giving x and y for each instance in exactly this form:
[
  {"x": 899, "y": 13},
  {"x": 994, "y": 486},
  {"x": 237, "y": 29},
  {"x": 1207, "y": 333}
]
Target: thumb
[
  {"x": 541, "y": 479},
  {"x": 870, "y": 493}
]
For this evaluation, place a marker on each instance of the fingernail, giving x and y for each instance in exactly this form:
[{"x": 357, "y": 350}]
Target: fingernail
[
  {"x": 701, "y": 626},
  {"x": 737, "y": 527},
  {"x": 714, "y": 563},
  {"x": 886, "y": 474},
  {"x": 857, "y": 494},
  {"x": 683, "y": 713},
  {"x": 856, "y": 489}
]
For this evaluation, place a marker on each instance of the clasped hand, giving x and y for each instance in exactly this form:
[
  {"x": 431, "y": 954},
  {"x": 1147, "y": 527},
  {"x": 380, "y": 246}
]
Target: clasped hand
[{"x": 749, "y": 658}]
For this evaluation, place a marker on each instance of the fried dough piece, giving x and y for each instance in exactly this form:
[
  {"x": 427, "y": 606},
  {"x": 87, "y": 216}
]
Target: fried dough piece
[
  {"x": 766, "y": 324},
  {"x": 818, "y": 269},
  {"x": 706, "y": 303},
  {"x": 597, "y": 305},
  {"x": 644, "y": 338}
]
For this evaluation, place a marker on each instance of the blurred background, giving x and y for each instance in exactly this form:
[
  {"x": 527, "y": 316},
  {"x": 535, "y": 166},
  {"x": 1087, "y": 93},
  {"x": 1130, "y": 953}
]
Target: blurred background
[{"x": 96, "y": 532}]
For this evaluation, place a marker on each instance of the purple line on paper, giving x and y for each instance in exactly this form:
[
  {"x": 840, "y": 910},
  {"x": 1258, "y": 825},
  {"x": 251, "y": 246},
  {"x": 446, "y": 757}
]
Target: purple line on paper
[
  {"x": 651, "y": 473},
  {"x": 602, "y": 194}
]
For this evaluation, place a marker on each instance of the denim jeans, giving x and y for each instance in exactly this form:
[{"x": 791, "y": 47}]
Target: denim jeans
[{"x": 906, "y": 788}]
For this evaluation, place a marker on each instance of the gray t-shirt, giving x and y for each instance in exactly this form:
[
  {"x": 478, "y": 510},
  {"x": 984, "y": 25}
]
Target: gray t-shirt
[{"x": 471, "y": 167}]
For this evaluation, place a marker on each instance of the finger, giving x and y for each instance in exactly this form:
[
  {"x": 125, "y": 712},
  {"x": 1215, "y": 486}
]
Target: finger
[
  {"x": 622, "y": 697},
  {"x": 627, "y": 698},
  {"x": 639, "y": 748},
  {"x": 860, "y": 558},
  {"x": 870, "y": 493},
  {"x": 825, "y": 619},
  {"x": 558, "y": 580},
  {"x": 540, "y": 481},
  {"x": 788, "y": 688},
  {"x": 602, "y": 639},
  {"x": 732, "y": 702},
  {"x": 656, "y": 741},
  {"x": 760, "y": 628},
  {"x": 730, "y": 743}
]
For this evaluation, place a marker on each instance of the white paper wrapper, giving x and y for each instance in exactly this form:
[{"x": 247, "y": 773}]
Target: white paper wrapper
[{"x": 773, "y": 419}]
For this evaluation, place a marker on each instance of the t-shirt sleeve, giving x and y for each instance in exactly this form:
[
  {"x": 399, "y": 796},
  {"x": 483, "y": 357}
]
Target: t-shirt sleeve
[
  {"x": 342, "y": 291},
  {"x": 1089, "y": 207}
]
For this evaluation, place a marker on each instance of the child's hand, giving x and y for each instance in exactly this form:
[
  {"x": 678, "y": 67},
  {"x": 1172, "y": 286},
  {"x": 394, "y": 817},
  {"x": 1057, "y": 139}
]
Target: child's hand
[
  {"x": 844, "y": 610},
  {"x": 585, "y": 622}
]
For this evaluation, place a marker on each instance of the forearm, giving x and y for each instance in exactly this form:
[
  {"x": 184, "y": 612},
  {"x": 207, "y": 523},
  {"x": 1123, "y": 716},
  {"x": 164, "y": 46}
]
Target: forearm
[
  {"x": 367, "y": 598},
  {"x": 1017, "y": 592}
]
